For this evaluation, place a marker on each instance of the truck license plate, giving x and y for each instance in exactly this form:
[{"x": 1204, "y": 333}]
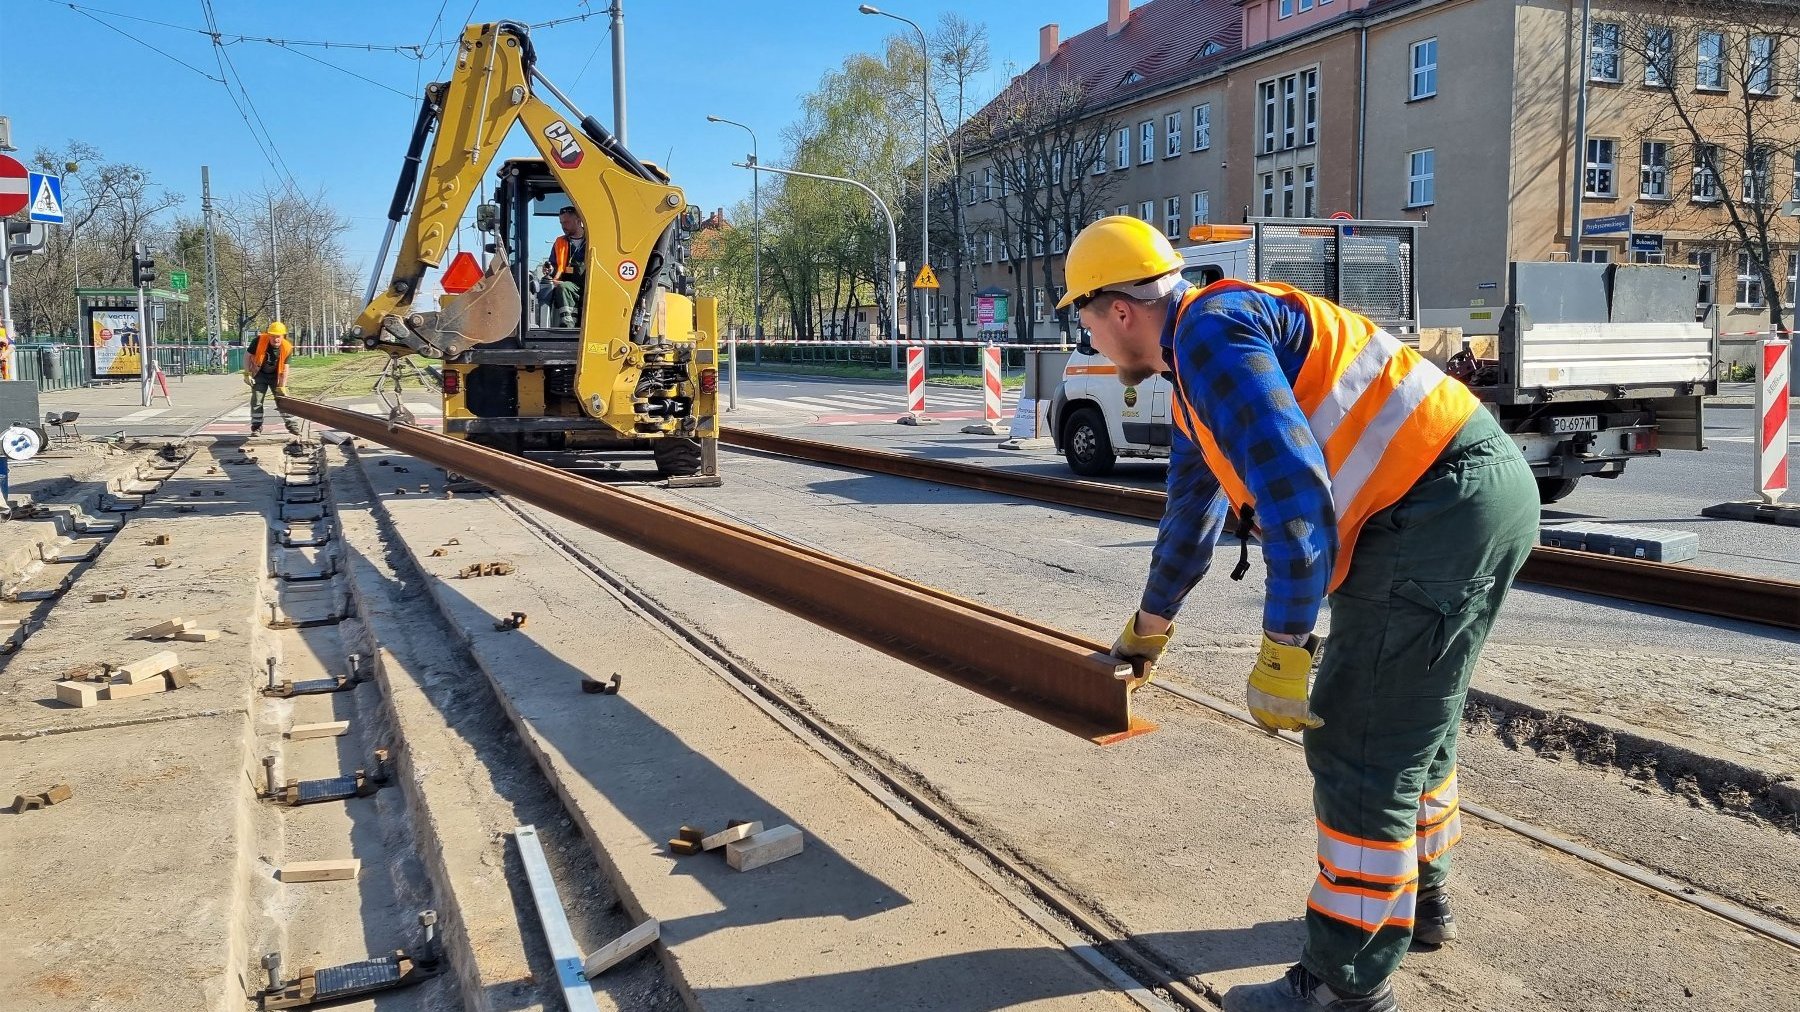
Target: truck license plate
[{"x": 1575, "y": 423}]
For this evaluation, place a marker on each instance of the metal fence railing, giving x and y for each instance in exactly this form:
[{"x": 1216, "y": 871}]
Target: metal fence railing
[{"x": 61, "y": 366}]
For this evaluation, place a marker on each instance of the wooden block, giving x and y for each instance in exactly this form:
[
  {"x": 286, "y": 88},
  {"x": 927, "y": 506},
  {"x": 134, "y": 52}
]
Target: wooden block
[
  {"x": 692, "y": 834},
  {"x": 766, "y": 847},
  {"x": 160, "y": 562},
  {"x": 329, "y": 729},
  {"x": 58, "y": 794},
  {"x": 680, "y": 846},
  {"x": 129, "y": 690},
  {"x": 731, "y": 835},
  {"x": 97, "y": 598},
  {"x": 621, "y": 948},
  {"x": 339, "y": 870},
  {"x": 197, "y": 635},
  {"x": 179, "y": 678},
  {"x": 161, "y": 629},
  {"x": 150, "y": 667},
  {"x": 82, "y": 694}
]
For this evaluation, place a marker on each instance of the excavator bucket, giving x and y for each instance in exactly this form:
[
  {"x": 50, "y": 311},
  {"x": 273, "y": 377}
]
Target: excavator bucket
[{"x": 482, "y": 315}]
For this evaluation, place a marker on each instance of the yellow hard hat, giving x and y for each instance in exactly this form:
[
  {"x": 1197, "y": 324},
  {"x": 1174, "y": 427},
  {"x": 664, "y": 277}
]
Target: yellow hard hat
[
  {"x": 1116, "y": 250},
  {"x": 278, "y": 328}
]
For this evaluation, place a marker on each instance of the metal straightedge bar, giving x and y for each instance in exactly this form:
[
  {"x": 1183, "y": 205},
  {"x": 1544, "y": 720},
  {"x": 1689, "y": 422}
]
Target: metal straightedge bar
[
  {"x": 565, "y": 955},
  {"x": 1061, "y": 679}
]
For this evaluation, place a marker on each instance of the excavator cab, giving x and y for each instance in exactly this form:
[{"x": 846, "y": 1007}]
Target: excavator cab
[{"x": 626, "y": 358}]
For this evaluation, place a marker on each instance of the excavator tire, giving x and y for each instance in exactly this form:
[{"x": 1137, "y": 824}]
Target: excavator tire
[{"x": 677, "y": 457}]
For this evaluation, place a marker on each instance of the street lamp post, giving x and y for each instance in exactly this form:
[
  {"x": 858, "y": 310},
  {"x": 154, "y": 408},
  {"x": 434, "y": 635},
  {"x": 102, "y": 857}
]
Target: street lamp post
[
  {"x": 756, "y": 237},
  {"x": 924, "y": 157},
  {"x": 893, "y": 245}
]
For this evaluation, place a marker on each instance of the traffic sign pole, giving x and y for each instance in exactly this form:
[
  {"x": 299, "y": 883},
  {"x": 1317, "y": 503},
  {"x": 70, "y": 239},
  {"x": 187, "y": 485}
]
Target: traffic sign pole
[{"x": 15, "y": 193}]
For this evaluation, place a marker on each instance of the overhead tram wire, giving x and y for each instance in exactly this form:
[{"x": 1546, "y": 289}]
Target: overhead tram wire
[
  {"x": 141, "y": 42},
  {"x": 414, "y": 51},
  {"x": 225, "y": 58}
]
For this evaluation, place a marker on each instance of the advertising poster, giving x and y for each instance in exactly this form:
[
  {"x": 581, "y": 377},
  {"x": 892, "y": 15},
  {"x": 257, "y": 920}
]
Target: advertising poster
[{"x": 117, "y": 349}]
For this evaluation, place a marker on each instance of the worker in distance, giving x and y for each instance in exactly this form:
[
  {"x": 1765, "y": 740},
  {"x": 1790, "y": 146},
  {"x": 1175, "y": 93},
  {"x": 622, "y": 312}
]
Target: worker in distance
[{"x": 1376, "y": 482}]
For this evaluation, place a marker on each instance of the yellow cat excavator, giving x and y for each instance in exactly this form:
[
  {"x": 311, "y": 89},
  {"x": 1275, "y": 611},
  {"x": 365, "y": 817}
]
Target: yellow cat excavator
[{"x": 606, "y": 347}]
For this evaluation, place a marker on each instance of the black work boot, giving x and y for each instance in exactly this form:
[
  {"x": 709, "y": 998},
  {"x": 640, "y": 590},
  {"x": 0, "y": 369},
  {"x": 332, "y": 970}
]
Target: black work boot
[
  {"x": 1299, "y": 991},
  {"x": 1434, "y": 923},
  {"x": 256, "y": 429}
]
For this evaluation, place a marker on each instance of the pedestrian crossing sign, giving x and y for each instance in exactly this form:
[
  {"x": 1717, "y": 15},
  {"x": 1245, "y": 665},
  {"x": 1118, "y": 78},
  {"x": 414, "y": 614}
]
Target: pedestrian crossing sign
[
  {"x": 46, "y": 197},
  {"x": 927, "y": 278}
]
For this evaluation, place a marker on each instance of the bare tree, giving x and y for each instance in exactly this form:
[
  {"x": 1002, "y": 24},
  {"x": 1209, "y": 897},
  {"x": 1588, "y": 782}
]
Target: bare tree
[
  {"x": 961, "y": 55},
  {"x": 1720, "y": 77},
  {"x": 1044, "y": 143}
]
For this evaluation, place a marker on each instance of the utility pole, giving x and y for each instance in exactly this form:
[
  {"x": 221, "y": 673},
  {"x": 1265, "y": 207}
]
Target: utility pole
[
  {"x": 1584, "y": 67},
  {"x": 756, "y": 254},
  {"x": 618, "y": 46},
  {"x": 213, "y": 338},
  {"x": 141, "y": 272},
  {"x": 274, "y": 259},
  {"x": 924, "y": 175}
]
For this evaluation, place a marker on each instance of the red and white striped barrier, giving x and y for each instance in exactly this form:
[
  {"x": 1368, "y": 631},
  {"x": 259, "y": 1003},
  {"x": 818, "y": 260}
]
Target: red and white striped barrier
[
  {"x": 1772, "y": 373},
  {"x": 915, "y": 388},
  {"x": 990, "y": 382}
]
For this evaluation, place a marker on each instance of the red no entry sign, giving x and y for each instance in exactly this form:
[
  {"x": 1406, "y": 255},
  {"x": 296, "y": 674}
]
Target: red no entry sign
[{"x": 14, "y": 193}]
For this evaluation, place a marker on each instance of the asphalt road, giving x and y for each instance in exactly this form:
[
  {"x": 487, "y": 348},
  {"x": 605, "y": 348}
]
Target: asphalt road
[{"x": 1668, "y": 492}]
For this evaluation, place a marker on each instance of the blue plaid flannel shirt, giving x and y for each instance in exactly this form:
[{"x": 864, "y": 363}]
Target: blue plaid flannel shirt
[{"x": 1237, "y": 353}]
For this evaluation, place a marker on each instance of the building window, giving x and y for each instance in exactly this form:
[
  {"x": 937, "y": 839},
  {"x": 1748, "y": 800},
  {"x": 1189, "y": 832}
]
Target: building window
[
  {"x": 1146, "y": 142},
  {"x": 987, "y": 245},
  {"x": 1202, "y": 209},
  {"x": 1309, "y": 191},
  {"x": 1018, "y": 171},
  {"x": 1653, "y": 171},
  {"x": 1122, "y": 156},
  {"x": 1424, "y": 69},
  {"x": 1287, "y": 193},
  {"x": 1603, "y": 53},
  {"x": 1600, "y": 175},
  {"x": 1056, "y": 166},
  {"x": 1702, "y": 261},
  {"x": 1147, "y": 210},
  {"x": 1709, "y": 62},
  {"x": 1306, "y": 5},
  {"x": 1061, "y": 239},
  {"x": 1659, "y": 57},
  {"x": 1268, "y": 116},
  {"x": 1310, "y": 83},
  {"x": 1037, "y": 243},
  {"x": 1172, "y": 126},
  {"x": 1760, "y": 80},
  {"x": 1758, "y": 181},
  {"x": 1172, "y": 218},
  {"x": 988, "y": 188},
  {"x": 1268, "y": 194},
  {"x": 1793, "y": 270},
  {"x": 1421, "y": 178},
  {"x": 1287, "y": 8},
  {"x": 1797, "y": 175},
  {"x": 1203, "y": 126},
  {"x": 1596, "y": 256},
  {"x": 1122, "y": 210},
  {"x": 1037, "y": 304},
  {"x": 1749, "y": 283},
  {"x": 1290, "y": 111},
  {"x": 1100, "y": 157},
  {"x": 1706, "y": 173}
]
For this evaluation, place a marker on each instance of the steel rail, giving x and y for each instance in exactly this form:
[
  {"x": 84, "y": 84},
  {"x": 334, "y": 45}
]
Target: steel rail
[
  {"x": 1763, "y": 601},
  {"x": 1061, "y": 679}
]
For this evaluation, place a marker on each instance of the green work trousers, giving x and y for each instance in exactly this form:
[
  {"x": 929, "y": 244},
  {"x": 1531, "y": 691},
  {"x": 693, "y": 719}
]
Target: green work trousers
[{"x": 1426, "y": 580}]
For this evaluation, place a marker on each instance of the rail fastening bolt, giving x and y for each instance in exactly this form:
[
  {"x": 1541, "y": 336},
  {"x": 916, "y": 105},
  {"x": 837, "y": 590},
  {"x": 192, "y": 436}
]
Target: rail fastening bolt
[{"x": 272, "y": 963}]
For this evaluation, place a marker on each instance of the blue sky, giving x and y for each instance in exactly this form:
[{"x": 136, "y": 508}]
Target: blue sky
[{"x": 63, "y": 76}]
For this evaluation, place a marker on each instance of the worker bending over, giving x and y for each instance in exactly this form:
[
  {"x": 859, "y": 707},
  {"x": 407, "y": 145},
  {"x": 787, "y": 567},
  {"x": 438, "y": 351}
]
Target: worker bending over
[
  {"x": 266, "y": 369},
  {"x": 1373, "y": 478},
  {"x": 568, "y": 269}
]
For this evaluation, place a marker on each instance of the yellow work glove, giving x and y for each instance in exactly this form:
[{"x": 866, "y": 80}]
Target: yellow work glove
[
  {"x": 1277, "y": 688},
  {"x": 281, "y": 391},
  {"x": 1133, "y": 645},
  {"x": 249, "y": 380}
]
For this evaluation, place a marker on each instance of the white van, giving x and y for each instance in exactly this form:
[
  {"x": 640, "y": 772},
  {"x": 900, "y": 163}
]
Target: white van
[{"x": 1367, "y": 266}]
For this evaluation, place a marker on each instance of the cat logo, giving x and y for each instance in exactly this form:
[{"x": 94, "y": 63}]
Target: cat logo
[{"x": 568, "y": 152}]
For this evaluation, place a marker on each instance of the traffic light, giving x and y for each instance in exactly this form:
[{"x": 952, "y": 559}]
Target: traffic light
[{"x": 145, "y": 269}]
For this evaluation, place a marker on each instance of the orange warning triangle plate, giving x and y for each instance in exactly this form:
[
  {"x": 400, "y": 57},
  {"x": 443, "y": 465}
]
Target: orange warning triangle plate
[
  {"x": 927, "y": 278},
  {"x": 464, "y": 273}
]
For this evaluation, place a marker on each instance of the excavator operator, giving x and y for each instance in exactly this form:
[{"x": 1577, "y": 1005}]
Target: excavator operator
[{"x": 568, "y": 269}]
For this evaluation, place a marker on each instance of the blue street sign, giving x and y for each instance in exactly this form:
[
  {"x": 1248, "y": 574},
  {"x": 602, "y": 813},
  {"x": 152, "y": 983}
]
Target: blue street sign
[
  {"x": 45, "y": 193},
  {"x": 1646, "y": 242},
  {"x": 1610, "y": 225}
]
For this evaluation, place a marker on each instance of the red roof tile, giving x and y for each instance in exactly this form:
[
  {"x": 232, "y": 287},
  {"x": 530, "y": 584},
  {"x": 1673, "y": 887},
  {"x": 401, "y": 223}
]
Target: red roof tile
[{"x": 1161, "y": 41}]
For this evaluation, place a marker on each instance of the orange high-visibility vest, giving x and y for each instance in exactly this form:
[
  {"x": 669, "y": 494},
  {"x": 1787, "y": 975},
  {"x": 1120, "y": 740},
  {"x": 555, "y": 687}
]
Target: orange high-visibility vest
[
  {"x": 260, "y": 348},
  {"x": 559, "y": 258},
  {"x": 1379, "y": 411}
]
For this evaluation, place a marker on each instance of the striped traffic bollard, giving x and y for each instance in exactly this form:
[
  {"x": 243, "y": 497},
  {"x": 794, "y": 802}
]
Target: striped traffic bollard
[
  {"x": 990, "y": 396},
  {"x": 915, "y": 389},
  {"x": 1772, "y": 419}
]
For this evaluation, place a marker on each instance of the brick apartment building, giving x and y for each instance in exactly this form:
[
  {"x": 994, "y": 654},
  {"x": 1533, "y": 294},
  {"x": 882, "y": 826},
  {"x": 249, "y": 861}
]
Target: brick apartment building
[{"x": 1458, "y": 113}]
